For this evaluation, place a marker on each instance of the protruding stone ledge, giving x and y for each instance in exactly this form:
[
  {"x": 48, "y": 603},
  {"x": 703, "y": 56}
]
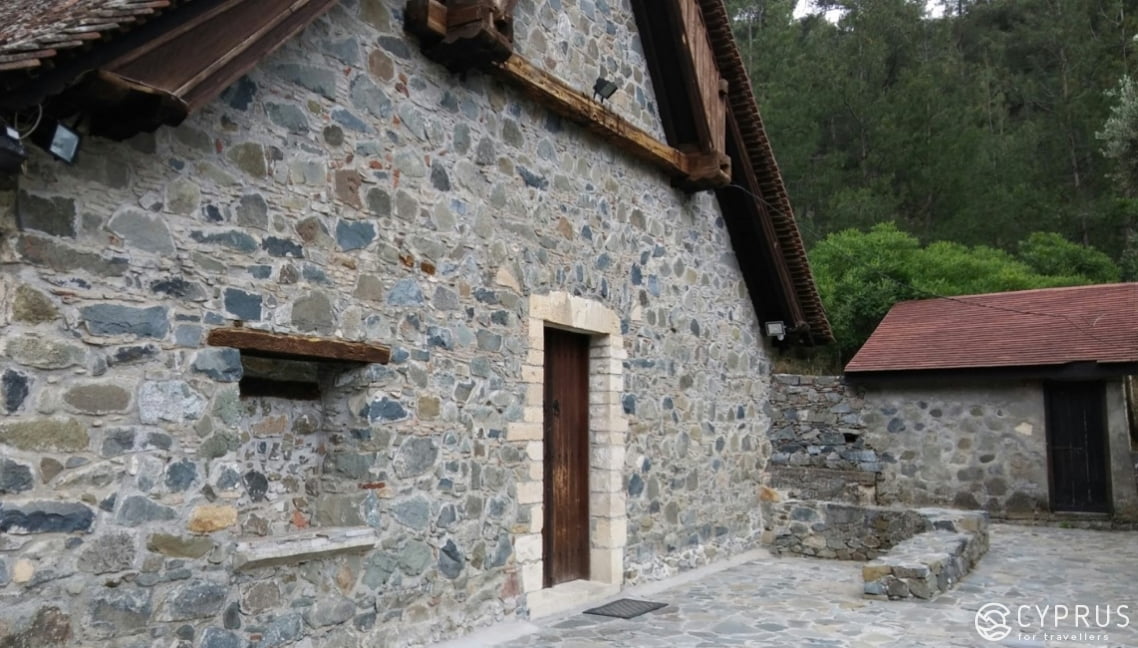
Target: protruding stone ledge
[{"x": 302, "y": 547}]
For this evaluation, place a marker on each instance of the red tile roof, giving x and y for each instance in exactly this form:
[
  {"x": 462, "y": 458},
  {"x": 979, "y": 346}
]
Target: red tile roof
[
  {"x": 1030, "y": 328},
  {"x": 33, "y": 31}
]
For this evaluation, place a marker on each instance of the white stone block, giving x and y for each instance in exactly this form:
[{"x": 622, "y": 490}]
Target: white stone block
[
  {"x": 610, "y": 533},
  {"x": 520, "y": 431},
  {"x": 607, "y": 566},
  {"x": 533, "y": 576},
  {"x": 530, "y": 492},
  {"x": 528, "y": 548}
]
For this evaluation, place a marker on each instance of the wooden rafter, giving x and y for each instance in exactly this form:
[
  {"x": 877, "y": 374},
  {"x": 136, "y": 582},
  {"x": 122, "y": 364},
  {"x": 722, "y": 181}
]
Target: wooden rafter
[
  {"x": 298, "y": 347},
  {"x": 459, "y": 44}
]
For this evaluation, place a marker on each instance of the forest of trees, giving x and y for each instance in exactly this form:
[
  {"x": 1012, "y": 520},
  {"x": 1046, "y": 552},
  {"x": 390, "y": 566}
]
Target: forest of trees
[{"x": 978, "y": 125}]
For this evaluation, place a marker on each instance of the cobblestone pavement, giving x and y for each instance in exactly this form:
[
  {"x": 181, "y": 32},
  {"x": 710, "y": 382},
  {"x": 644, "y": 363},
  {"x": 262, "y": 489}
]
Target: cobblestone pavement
[{"x": 790, "y": 602}]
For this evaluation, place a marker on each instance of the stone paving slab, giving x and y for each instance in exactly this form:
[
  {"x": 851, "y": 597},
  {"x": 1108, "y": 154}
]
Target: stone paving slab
[{"x": 792, "y": 601}]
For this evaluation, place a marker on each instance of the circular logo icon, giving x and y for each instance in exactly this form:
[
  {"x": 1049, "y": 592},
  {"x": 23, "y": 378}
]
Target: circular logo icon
[{"x": 992, "y": 622}]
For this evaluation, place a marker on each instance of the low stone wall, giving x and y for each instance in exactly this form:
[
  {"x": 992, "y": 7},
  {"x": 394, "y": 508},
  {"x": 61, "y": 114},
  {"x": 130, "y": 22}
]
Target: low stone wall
[
  {"x": 837, "y": 530},
  {"x": 932, "y": 562},
  {"x": 913, "y": 552}
]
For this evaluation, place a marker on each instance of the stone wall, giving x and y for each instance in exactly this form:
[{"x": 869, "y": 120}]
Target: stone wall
[
  {"x": 934, "y": 444},
  {"x": 349, "y": 188},
  {"x": 968, "y": 446},
  {"x": 962, "y": 443}
]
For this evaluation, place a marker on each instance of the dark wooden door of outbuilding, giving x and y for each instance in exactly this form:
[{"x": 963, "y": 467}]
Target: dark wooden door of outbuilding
[
  {"x": 1077, "y": 446},
  {"x": 566, "y": 531}
]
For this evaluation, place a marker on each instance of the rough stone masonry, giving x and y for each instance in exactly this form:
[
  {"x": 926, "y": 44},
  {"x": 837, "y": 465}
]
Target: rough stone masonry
[{"x": 348, "y": 188}]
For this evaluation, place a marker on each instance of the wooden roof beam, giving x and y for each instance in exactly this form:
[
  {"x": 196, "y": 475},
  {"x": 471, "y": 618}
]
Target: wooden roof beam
[
  {"x": 298, "y": 347},
  {"x": 693, "y": 171}
]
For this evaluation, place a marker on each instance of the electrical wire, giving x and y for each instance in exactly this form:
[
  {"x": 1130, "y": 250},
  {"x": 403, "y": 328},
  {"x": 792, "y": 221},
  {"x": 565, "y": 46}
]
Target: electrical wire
[
  {"x": 930, "y": 293},
  {"x": 16, "y": 123}
]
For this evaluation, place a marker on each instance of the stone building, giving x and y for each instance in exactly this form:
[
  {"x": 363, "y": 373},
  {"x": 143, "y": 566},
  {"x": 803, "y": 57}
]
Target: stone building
[
  {"x": 1009, "y": 402},
  {"x": 363, "y": 323}
]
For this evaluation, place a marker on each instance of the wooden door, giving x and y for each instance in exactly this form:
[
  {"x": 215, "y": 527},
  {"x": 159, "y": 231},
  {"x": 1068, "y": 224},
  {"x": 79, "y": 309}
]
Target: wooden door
[
  {"x": 566, "y": 531},
  {"x": 1077, "y": 446}
]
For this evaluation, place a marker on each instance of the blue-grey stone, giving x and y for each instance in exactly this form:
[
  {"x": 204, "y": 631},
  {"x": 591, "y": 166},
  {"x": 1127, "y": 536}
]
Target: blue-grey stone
[
  {"x": 260, "y": 271},
  {"x": 461, "y": 139},
  {"x": 256, "y": 484},
  {"x": 188, "y": 335},
  {"x": 445, "y": 299},
  {"x": 212, "y": 214},
  {"x": 282, "y": 247},
  {"x": 328, "y": 612},
  {"x": 119, "y": 611},
  {"x": 112, "y": 319},
  {"x": 132, "y": 353},
  {"x": 439, "y": 178},
  {"x": 136, "y": 510},
  {"x": 196, "y": 599},
  {"x": 218, "y": 638},
  {"x": 243, "y": 305},
  {"x": 489, "y": 341},
  {"x": 253, "y": 211},
  {"x": 629, "y": 403},
  {"x": 451, "y": 560},
  {"x": 405, "y": 292},
  {"x": 141, "y": 230},
  {"x": 180, "y": 475},
  {"x": 14, "y": 477},
  {"x": 895, "y": 425},
  {"x": 46, "y": 517},
  {"x": 368, "y": 97},
  {"x": 55, "y": 216},
  {"x": 604, "y": 261},
  {"x": 232, "y": 239},
  {"x": 240, "y": 94},
  {"x": 349, "y": 121},
  {"x": 354, "y": 235},
  {"x": 532, "y": 179},
  {"x": 637, "y": 277},
  {"x": 413, "y": 512},
  {"x": 107, "y": 554},
  {"x": 231, "y": 619},
  {"x": 635, "y": 485},
  {"x": 416, "y": 456},
  {"x": 386, "y": 409},
  {"x": 440, "y": 337},
  {"x": 314, "y": 274},
  {"x": 288, "y": 116},
  {"x": 395, "y": 45},
  {"x": 314, "y": 313},
  {"x": 282, "y": 630},
  {"x": 502, "y": 552},
  {"x": 319, "y": 80},
  {"x": 15, "y": 386},
  {"x": 178, "y": 288},
  {"x": 220, "y": 364}
]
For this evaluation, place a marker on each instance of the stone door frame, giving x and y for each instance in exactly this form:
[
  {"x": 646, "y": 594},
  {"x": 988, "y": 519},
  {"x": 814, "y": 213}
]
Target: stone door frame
[{"x": 608, "y": 427}]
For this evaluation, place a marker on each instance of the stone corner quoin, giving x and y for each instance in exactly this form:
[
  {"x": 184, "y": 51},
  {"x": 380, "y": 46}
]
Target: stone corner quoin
[{"x": 349, "y": 189}]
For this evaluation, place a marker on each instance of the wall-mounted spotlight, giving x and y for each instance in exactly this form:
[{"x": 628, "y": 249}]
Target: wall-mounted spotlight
[
  {"x": 57, "y": 139},
  {"x": 12, "y": 152},
  {"x": 776, "y": 330},
  {"x": 603, "y": 88}
]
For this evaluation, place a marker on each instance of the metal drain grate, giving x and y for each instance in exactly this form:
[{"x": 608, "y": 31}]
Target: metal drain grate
[{"x": 625, "y": 608}]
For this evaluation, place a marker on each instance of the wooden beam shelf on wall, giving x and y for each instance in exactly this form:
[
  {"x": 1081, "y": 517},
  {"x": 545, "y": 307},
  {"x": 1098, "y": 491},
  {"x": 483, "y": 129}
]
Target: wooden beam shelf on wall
[
  {"x": 298, "y": 347},
  {"x": 428, "y": 20}
]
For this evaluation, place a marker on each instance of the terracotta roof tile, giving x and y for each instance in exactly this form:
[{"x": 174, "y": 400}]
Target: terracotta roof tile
[
  {"x": 32, "y": 31},
  {"x": 1052, "y": 326}
]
